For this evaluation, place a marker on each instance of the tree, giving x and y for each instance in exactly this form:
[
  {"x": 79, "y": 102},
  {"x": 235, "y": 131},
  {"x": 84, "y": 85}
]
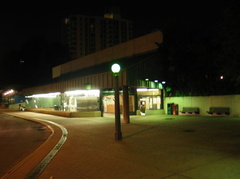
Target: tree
[
  {"x": 40, "y": 57},
  {"x": 227, "y": 53},
  {"x": 32, "y": 65},
  {"x": 198, "y": 54}
]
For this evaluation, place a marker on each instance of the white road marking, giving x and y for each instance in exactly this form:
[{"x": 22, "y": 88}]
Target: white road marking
[{"x": 42, "y": 165}]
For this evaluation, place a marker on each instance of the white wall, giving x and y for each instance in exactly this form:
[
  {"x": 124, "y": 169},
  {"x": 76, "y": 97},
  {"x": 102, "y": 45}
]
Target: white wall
[
  {"x": 204, "y": 102},
  {"x": 16, "y": 106}
]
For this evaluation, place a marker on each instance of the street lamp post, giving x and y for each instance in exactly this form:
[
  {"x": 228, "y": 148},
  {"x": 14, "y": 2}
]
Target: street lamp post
[{"x": 118, "y": 134}]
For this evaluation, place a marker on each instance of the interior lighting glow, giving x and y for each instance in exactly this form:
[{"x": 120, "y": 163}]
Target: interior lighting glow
[
  {"x": 46, "y": 95},
  {"x": 142, "y": 89},
  {"x": 145, "y": 89},
  {"x": 8, "y": 92},
  {"x": 83, "y": 92},
  {"x": 152, "y": 89},
  {"x": 76, "y": 92}
]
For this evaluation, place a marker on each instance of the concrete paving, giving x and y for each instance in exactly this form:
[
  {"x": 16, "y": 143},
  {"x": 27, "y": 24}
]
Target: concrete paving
[{"x": 153, "y": 146}]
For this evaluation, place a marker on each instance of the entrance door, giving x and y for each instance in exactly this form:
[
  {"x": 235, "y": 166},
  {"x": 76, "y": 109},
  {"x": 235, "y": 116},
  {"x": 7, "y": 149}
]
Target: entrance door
[{"x": 142, "y": 106}]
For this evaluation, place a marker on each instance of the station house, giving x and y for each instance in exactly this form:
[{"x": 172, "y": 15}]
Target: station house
[{"x": 85, "y": 86}]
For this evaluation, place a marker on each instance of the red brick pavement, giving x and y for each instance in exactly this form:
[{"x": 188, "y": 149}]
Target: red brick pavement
[{"x": 164, "y": 146}]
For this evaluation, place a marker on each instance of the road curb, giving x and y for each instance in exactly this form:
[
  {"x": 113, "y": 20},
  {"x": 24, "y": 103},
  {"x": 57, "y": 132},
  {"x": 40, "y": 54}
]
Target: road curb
[{"x": 25, "y": 166}]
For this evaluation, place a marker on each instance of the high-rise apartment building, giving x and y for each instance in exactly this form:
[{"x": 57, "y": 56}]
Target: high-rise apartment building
[{"x": 84, "y": 35}]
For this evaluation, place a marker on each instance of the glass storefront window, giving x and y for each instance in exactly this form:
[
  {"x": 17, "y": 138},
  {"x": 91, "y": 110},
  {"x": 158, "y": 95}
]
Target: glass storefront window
[
  {"x": 81, "y": 100},
  {"x": 151, "y": 98}
]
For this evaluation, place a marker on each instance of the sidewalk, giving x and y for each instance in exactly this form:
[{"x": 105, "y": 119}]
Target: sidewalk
[{"x": 165, "y": 146}]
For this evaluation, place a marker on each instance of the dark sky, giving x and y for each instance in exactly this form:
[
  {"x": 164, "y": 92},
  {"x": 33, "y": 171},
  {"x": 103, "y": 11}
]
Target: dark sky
[{"x": 21, "y": 21}]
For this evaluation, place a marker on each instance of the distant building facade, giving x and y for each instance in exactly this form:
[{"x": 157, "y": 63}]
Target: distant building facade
[{"x": 83, "y": 35}]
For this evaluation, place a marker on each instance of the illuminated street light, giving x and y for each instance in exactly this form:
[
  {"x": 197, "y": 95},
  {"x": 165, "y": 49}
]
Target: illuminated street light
[
  {"x": 116, "y": 69},
  {"x": 118, "y": 134}
]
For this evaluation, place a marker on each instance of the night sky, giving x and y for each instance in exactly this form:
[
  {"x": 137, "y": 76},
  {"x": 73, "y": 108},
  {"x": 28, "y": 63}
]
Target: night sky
[{"x": 19, "y": 22}]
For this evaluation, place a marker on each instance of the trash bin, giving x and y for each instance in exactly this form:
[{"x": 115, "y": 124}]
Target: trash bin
[
  {"x": 175, "y": 109},
  {"x": 169, "y": 108},
  {"x": 56, "y": 107}
]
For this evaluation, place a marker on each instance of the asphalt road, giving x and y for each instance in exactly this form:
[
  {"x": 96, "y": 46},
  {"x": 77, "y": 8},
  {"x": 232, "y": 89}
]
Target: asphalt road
[{"x": 18, "y": 139}]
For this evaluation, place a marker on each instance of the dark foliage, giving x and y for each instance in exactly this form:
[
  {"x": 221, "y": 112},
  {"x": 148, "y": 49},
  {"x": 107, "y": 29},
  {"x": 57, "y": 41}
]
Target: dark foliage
[
  {"x": 33, "y": 64},
  {"x": 198, "y": 55}
]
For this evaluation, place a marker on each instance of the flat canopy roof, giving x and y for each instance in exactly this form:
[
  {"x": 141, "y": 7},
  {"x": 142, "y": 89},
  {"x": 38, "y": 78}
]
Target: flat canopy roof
[{"x": 130, "y": 48}]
